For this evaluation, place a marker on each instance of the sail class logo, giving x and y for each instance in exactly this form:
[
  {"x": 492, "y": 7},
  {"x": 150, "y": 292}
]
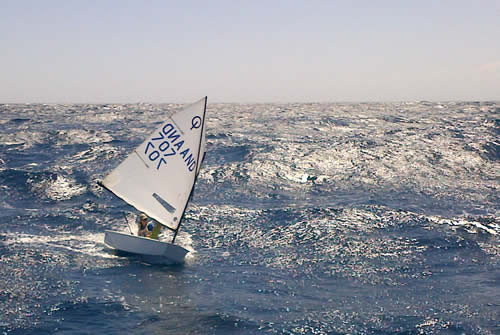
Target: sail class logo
[
  {"x": 170, "y": 143},
  {"x": 195, "y": 122}
]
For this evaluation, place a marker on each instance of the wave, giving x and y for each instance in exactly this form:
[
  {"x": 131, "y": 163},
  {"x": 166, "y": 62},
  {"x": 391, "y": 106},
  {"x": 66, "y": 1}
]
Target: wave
[
  {"x": 36, "y": 186},
  {"x": 341, "y": 242}
]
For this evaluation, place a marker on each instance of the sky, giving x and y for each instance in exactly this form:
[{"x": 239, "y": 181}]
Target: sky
[{"x": 248, "y": 51}]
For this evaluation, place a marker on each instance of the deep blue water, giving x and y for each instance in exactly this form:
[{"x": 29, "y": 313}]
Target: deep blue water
[{"x": 307, "y": 219}]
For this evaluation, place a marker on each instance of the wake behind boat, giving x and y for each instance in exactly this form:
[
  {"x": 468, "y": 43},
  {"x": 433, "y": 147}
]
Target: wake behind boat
[{"x": 158, "y": 178}]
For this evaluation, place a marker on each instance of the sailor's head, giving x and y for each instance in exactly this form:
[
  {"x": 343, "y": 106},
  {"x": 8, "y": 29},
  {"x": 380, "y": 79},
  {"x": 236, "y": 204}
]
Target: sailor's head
[{"x": 143, "y": 217}]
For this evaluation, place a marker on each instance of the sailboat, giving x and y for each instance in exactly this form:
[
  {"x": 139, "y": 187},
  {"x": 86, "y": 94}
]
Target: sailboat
[{"x": 158, "y": 178}]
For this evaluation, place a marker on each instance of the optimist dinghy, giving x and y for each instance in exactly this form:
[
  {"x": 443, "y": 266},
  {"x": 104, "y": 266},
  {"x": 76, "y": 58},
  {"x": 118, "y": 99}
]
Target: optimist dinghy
[{"x": 158, "y": 178}]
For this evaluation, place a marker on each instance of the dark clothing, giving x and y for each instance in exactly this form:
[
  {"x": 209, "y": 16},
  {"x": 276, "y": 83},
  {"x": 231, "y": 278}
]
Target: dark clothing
[{"x": 143, "y": 230}]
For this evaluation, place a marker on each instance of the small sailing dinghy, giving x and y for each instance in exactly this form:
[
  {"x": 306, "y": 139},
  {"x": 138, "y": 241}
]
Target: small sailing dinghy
[{"x": 158, "y": 178}]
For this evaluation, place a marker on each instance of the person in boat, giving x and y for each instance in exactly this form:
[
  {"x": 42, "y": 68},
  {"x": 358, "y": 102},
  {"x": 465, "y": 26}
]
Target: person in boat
[{"x": 145, "y": 229}]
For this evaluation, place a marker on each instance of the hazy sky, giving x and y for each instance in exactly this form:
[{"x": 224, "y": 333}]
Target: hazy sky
[{"x": 249, "y": 51}]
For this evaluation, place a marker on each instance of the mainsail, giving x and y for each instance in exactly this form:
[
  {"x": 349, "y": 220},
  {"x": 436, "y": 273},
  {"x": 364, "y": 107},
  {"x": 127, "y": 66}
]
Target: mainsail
[{"x": 158, "y": 176}]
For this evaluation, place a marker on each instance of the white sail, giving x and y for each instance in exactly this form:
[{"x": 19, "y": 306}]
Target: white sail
[{"x": 157, "y": 177}]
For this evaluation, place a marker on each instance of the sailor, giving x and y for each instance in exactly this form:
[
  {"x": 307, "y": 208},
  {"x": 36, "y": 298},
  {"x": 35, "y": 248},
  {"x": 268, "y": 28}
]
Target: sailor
[{"x": 145, "y": 229}]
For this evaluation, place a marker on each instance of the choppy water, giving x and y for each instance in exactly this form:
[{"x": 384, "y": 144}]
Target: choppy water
[{"x": 307, "y": 219}]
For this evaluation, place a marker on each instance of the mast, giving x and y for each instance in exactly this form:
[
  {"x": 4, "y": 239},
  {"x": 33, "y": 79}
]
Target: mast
[{"x": 198, "y": 164}]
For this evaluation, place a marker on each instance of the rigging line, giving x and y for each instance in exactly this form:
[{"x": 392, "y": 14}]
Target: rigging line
[
  {"x": 128, "y": 225},
  {"x": 141, "y": 158},
  {"x": 178, "y": 128},
  {"x": 196, "y": 172}
]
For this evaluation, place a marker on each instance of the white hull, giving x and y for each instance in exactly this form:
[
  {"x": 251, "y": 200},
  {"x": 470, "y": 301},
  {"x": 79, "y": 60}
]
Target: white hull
[{"x": 145, "y": 246}]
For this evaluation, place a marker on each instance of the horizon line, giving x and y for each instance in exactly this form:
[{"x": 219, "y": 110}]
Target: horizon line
[{"x": 255, "y": 102}]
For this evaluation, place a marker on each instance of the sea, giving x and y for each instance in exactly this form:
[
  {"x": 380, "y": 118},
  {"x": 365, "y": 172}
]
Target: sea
[{"x": 307, "y": 218}]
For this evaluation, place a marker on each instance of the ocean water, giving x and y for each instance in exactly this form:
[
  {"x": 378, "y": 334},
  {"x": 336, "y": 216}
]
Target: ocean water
[{"x": 307, "y": 219}]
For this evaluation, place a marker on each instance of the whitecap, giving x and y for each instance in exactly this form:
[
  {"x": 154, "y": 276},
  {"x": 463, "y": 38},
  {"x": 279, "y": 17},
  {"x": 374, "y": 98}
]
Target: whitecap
[{"x": 60, "y": 188}]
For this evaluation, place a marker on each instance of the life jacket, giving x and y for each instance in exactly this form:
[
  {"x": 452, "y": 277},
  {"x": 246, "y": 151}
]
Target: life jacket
[{"x": 144, "y": 232}]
